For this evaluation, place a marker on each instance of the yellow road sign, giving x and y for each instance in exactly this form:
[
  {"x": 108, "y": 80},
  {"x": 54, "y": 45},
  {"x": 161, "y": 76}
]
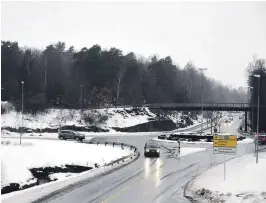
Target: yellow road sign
[
  {"x": 224, "y": 143},
  {"x": 224, "y": 137}
]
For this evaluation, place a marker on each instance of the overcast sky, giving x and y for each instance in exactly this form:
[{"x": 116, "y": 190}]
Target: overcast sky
[{"x": 220, "y": 36}]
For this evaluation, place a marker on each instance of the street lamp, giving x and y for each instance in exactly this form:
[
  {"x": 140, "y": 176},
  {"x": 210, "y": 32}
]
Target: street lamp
[
  {"x": 202, "y": 69},
  {"x": 81, "y": 98},
  {"x": 22, "y": 109},
  {"x": 252, "y": 111},
  {"x": 258, "y": 118}
]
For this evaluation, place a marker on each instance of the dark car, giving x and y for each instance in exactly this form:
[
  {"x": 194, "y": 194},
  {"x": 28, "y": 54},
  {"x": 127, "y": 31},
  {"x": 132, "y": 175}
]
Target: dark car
[
  {"x": 151, "y": 149},
  {"x": 69, "y": 134},
  {"x": 262, "y": 139},
  {"x": 163, "y": 137}
]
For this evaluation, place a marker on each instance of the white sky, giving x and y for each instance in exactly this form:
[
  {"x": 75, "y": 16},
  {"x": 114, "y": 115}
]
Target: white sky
[{"x": 220, "y": 36}]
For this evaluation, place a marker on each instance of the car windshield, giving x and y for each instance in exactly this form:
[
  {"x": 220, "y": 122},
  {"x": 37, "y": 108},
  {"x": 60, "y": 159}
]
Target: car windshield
[{"x": 152, "y": 145}]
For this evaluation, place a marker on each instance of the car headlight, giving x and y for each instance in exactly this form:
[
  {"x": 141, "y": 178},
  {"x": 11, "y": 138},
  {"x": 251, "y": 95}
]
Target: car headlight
[
  {"x": 147, "y": 150},
  {"x": 158, "y": 150}
]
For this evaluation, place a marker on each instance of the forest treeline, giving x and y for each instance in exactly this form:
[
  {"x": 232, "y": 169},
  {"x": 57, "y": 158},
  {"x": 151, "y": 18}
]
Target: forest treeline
[{"x": 90, "y": 77}]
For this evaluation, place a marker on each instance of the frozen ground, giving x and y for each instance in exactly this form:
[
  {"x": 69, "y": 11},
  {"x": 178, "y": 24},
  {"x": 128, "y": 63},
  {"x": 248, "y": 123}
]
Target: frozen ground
[
  {"x": 37, "y": 192},
  {"x": 18, "y": 159},
  {"x": 104, "y": 118},
  {"x": 55, "y": 118},
  {"x": 245, "y": 182},
  {"x": 88, "y": 135},
  {"x": 188, "y": 151}
]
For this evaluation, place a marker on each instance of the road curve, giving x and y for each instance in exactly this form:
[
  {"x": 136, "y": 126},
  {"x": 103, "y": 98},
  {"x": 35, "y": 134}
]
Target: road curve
[{"x": 147, "y": 179}]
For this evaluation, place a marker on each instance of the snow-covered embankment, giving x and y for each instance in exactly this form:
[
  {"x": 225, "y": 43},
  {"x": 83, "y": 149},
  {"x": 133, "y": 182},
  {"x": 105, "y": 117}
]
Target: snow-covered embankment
[
  {"x": 39, "y": 161},
  {"x": 245, "y": 182}
]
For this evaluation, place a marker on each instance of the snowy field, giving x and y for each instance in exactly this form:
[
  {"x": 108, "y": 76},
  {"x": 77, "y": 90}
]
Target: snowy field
[
  {"x": 55, "y": 118},
  {"x": 245, "y": 181},
  {"x": 88, "y": 135},
  {"x": 18, "y": 159}
]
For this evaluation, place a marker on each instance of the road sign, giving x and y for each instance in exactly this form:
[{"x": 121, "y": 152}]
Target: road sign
[
  {"x": 224, "y": 137},
  {"x": 224, "y": 143},
  {"x": 224, "y": 150}
]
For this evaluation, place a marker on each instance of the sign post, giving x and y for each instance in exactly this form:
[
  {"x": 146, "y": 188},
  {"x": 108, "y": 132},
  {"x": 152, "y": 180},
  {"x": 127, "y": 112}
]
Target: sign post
[
  {"x": 224, "y": 144},
  {"x": 224, "y": 166}
]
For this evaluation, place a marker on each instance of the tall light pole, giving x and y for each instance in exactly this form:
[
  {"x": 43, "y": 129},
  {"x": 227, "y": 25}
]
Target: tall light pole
[
  {"x": 202, "y": 69},
  {"x": 22, "y": 109},
  {"x": 258, "y": 118},
  {"x": 81, "y": 98},
  {"x": 252, "y": 111}
]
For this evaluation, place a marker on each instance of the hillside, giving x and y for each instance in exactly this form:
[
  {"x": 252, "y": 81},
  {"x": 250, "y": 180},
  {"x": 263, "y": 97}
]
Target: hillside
[{"x": 103, "y": 119}]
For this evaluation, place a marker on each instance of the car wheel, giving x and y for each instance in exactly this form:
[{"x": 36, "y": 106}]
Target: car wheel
[
  {"x": 77, "y": 139},
  {"x": 61, "y": 138}
]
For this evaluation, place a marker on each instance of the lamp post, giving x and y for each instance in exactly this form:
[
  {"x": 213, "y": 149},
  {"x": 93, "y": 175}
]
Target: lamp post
[
  {"x": 202, "y": 69},
  {"x": 81, "y": 98},
  {"x": 252, "y": 111},
  {"x": 258, "y": 118},
  {"x": 22, "y": 109}
]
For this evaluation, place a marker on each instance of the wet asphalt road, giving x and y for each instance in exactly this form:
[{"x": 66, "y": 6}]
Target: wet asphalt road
[{"x": 149, "y": 180}]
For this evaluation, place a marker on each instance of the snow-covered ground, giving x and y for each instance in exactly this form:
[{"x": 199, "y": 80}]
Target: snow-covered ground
[
  {"x": 88, "y": 135},
  {"x": 37, "y": 192},
  {"x": 18, "y": 159},
  {"x": 184, "y": 151},
  {"x": 55, "y": 118},
  {"x": 245, "y": 181},
  {"x": 103, "y": 118}
]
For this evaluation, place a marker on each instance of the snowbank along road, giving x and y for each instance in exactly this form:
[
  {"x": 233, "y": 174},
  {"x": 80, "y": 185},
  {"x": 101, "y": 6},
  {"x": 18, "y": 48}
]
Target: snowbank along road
[{"x": 147, "y": 179}]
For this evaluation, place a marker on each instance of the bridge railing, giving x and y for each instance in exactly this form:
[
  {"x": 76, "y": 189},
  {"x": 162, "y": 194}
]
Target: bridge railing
[{"x": 218, "y": 105}]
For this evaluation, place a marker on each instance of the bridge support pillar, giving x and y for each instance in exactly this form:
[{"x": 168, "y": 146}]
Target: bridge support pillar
[{"x": 246, "y": 121}]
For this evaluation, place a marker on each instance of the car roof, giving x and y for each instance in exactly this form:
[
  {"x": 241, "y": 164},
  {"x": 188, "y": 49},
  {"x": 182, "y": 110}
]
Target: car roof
[{"x": 67, "y": 131}]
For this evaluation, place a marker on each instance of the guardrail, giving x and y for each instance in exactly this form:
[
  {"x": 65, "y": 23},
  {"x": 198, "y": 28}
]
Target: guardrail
[
  {"x": 237, "y": 106},
  {"x": 199, "y": 104},
  {"x": 122, "y": 145}
]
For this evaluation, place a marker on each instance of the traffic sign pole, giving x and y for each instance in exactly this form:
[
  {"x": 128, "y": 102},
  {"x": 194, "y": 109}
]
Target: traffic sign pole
[
  {"x": 224, "y": 166},
  {"x": 225, "y": 144}
]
